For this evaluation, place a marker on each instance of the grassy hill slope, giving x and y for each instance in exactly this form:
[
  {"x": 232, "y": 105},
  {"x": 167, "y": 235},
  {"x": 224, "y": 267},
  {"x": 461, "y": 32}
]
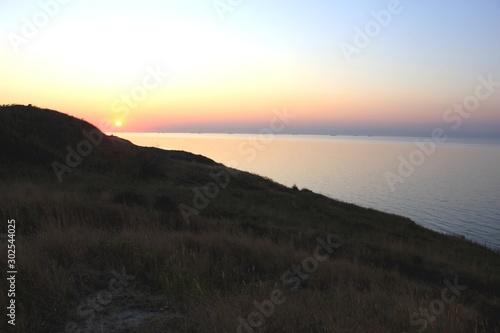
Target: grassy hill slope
[{"x": 210, "y": 248}]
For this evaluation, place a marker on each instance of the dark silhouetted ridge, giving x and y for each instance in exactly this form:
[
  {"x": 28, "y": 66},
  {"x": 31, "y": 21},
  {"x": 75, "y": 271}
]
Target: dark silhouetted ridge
[{"x": 32, "y": 138}]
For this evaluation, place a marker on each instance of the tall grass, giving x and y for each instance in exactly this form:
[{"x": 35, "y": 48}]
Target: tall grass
[{"x": 212, "y": 270}]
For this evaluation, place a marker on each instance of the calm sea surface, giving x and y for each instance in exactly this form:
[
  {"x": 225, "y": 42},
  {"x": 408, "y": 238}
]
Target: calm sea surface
[{"x": 454, "y": 190}]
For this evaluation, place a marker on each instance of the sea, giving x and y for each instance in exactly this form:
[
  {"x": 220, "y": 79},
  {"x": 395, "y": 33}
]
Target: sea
[{"x": 451, "y": 187}]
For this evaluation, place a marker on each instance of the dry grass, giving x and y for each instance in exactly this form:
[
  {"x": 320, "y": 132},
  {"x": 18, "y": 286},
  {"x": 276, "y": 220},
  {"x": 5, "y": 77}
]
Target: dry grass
[{"x": 70, "y": 238}]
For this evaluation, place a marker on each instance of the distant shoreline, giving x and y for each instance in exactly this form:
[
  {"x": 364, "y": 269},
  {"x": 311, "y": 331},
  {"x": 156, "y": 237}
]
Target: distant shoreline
[{"x": 451, "y": 140}]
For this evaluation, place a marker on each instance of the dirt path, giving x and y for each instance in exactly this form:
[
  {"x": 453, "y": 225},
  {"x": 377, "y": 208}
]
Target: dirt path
[{"x": 135, "y": 311}]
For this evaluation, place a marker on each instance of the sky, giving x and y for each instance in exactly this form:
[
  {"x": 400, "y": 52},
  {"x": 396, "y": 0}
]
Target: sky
[{"x": 339, "y": 67}]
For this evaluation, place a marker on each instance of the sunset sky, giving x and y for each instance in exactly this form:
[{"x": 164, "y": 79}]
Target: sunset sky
[{"x": 209, "y": 66}]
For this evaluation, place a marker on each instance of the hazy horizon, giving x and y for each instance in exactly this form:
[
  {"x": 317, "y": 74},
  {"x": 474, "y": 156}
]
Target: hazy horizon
[{"x": 325, "y": 131}]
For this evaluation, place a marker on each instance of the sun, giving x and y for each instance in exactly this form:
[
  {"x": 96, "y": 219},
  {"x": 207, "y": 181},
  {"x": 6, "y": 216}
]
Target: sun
[{"x": 118, "y": 123}]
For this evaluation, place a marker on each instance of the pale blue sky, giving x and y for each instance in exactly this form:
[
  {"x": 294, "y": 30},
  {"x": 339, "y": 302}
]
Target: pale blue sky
[{"x": 426, "y": 59}]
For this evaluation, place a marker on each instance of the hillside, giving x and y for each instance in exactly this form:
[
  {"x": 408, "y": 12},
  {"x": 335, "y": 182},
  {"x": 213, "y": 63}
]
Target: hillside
[
  {"x": 207, "y": 248},
  {"x": 32, "y": 139}
]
